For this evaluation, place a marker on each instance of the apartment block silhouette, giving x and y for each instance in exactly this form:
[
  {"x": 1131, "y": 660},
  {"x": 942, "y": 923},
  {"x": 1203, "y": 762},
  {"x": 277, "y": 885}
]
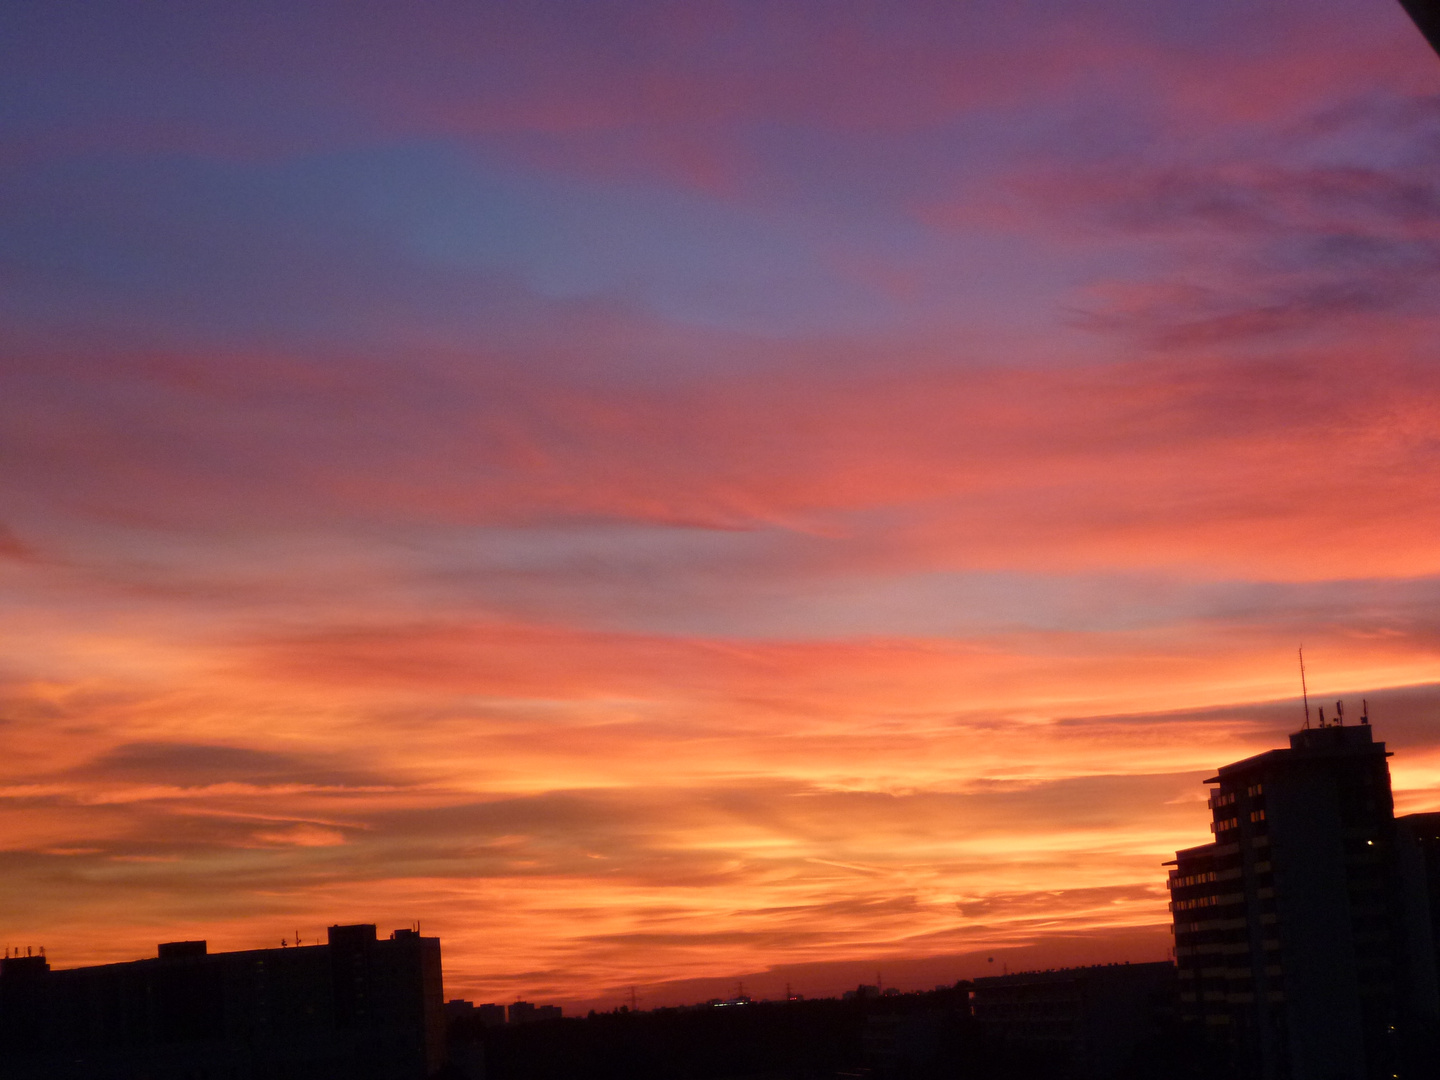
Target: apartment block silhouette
[
  {"x": 356, "y": 1007},
  {"x": 1305, "y": 931}
]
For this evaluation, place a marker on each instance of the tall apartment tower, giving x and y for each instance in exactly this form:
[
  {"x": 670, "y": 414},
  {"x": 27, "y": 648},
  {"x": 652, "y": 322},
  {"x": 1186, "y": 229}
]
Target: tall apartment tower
[{"x": 1297, "y": 930}]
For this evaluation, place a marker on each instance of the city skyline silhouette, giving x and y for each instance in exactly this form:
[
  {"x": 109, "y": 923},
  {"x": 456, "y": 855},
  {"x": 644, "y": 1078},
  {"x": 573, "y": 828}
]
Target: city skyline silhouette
[{"x": 660, "y": 495}]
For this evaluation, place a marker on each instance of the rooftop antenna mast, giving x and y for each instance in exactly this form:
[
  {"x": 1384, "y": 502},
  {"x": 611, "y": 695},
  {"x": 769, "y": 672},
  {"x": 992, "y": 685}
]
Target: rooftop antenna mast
[{"x": 1304, "y": 692}]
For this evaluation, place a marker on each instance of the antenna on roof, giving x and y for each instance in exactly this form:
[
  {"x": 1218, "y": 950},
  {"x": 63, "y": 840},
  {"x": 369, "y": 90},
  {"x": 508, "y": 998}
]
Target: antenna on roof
[
  {"x": 1364, "y": 712},
  {"x": 1305, "y": 693},
  {"x": 1340, "y": 713}
]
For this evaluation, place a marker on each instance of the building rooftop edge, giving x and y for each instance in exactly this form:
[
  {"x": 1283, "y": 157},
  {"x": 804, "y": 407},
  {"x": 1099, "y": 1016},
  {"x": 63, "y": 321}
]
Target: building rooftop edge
[{"x": 198, "y": 957}]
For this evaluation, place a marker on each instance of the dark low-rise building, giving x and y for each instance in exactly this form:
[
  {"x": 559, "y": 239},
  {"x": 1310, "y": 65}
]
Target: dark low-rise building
[
  {"x": 356, "y": 1007},
  {"x": 458, "y": 1009},
  {"x": 524, "y": 1012},
  {"x": 1087, "y": 1020}
]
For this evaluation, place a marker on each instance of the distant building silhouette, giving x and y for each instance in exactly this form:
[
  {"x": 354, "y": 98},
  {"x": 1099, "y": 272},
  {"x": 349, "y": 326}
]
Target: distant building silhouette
[
  {"x": 1087, "y": 1020},
  {"x": 356, "y": 1007},
  {"x": 1304, "y": 932},
  {"x": 458, "y": 1009},
  {"x": 523, "y": 1012}
]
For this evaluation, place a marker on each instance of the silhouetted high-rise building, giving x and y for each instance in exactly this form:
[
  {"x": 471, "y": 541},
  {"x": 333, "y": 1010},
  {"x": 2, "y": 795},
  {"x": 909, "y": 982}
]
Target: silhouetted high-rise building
[
  {"x": 356, "y": 1007},
  {"x": 1301, "y": 931}
]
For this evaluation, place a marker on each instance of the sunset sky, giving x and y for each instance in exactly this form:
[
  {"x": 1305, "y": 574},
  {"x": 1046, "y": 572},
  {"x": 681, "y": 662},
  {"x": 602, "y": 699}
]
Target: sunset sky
[{"x": 671, "y": 494}]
